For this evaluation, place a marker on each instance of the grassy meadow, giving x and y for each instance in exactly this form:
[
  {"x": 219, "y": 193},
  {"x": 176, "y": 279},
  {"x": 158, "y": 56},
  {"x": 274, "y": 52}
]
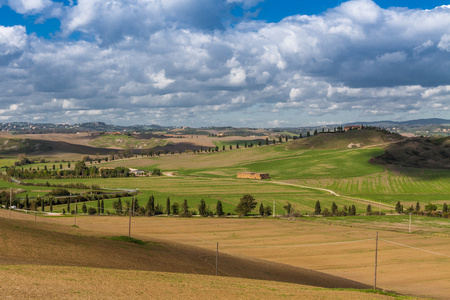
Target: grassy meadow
[{"x": 212, "y": 177}]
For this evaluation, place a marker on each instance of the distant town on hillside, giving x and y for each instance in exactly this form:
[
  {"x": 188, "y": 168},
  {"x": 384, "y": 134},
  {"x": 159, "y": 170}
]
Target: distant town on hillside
[{"x": 420, "y": 127}]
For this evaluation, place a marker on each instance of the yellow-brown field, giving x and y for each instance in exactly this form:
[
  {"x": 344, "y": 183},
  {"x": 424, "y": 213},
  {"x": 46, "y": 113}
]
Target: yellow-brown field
[
  {"x": 56, "y": 282},
  {"x": 340, "y": 251}
]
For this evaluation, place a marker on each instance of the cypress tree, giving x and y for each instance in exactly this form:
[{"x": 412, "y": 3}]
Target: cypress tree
[
  {"x": 417, "y": 207},
  {"x": 51, "y": 204},
  {"x": 288, "y": 208},
  {"x": 27, "y": 202},
  {"x": 185, "y": 209},
  {"x": 334, "y": 207},
  {"x": 119, "y": 206},
  {"x": 98, "y": 207},
  {"x": 202, "y": 208},
  {"x": 103, "y": 206},
  {"x": 261, "y": 209},
  {"x": 151, "y": 206},
  {"x": 317, "y": 209},
  {"x": 353, "y": 210},
  {"x": 168, "y": 206},
  {"x": 219, "y": 209},
  {"x": 84, "y": 208},
  {"x": 42, "y": 203},
  {"x": 369, "y": 209},
  {"x": 68, "y": 205},
  {"x": 445, "y": 208}
]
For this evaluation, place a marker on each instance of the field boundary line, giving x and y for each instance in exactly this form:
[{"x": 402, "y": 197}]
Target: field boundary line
[
  {"x": 415, "y": 248},
  {"x": 303, "y": 245}
]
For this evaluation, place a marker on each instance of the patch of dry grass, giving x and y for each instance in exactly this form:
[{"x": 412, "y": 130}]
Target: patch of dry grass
[{"x": 51, "y": 282}]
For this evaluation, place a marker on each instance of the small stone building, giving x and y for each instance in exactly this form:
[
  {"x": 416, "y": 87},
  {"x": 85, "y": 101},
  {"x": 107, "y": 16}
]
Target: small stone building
[{"x": 252, "y": 175}]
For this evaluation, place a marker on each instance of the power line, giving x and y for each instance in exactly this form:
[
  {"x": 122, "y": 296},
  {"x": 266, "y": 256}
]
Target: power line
[{"x": 415, "y": 248}]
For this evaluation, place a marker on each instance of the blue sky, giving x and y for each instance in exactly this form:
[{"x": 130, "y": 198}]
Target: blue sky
[{"x": 224, "y": 62}]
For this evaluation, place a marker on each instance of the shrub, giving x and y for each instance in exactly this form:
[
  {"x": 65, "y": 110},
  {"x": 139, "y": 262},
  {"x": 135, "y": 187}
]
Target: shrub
[
  {"x": 92, "y": 211},
  {"x": 247, "y": 204}
]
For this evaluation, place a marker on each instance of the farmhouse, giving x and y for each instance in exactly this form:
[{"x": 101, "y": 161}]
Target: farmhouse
[
  {"x": 351, "y": 127},
  {"x": 253, "y": 175},
  {"x": 137, "y": 172}
]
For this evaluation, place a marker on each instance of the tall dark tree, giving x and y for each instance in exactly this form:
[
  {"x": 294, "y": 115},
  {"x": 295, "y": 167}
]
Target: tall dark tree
[
  {"x": 68, "y": 206},
  {"x": 369, "y": 209},
  {"x": 261, "y": 209},
  {"x": 353, "y": 212},
  {"x": 417, "y": 207},
  {"x": 202, "y": 208},
  {"x": 317, "y": 209},
  {"x": 175, "y": 208},
  {"x": 267, "y": 141},
  {"x": 42, "y": 203},
  {"x": 103, "y": 207},
  {"x": 334, "y": 208},
  {"x": 445, "y": 208},
  {"x": 219, "y": 209},
  {"x": 117, "y": 205},
  {"x": 267, "y": 210},
  {"x": 151, "y": 206},
  {"x": 398, "y": 207},
  {"x": 98, "y": 207},
  {"x": 168, "y": 206},
  {"x": 84, "y": 208},
  {"x": 51, "y": 204},
  {"x": 27, "y": 202},
  {"x": 288, "y": 208},
  {"x": 185, "y": 209},
  {"x": 246, "y": 204}
]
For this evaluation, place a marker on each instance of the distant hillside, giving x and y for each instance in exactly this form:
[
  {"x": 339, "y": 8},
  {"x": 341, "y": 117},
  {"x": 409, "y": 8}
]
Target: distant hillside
[
  {"x": 8, "y": 146},
  {"x": 125, "y": 141},
  {"x": 342, "y": 140},
  {"x": 433, "y": 153}
]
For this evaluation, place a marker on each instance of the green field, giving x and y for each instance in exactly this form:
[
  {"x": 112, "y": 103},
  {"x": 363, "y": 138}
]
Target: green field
[
  {"x": 212, "y": 177},
  {"x": 125, "y": 141}
]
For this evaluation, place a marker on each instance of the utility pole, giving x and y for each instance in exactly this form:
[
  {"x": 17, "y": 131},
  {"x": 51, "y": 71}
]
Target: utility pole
[
  {"x": 129, "y": 222},
  {"x": 409, "y": 222},
  {"x": 376, "y": 263},
  {"x": 75, "y": 215},
  {"x": 10, "y": 201},
  {"x": 274, "y": 208}
]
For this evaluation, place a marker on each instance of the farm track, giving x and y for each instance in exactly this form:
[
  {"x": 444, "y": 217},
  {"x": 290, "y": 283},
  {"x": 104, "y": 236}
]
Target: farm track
[{"x": 360, "y": 200}]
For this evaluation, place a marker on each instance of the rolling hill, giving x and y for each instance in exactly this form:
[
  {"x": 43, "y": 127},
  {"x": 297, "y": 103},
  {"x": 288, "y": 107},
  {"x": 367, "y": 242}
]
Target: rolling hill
[{"x": 342, "y": 140}]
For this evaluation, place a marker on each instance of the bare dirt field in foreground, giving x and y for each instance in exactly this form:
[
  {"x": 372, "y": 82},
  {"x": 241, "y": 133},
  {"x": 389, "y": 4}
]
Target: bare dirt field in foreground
[
  {"x": 336, "y": 250},
  {"x": 56, "y": 282}
]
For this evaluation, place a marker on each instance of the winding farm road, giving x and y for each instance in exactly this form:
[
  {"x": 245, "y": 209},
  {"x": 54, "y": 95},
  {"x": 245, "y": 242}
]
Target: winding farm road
[{"x": 375, "y": 203}]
